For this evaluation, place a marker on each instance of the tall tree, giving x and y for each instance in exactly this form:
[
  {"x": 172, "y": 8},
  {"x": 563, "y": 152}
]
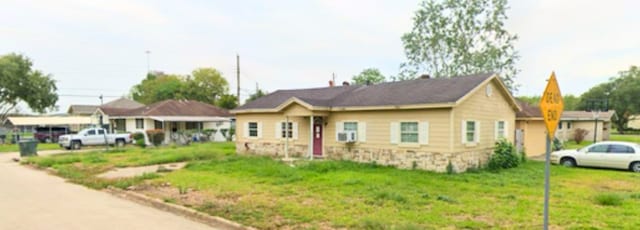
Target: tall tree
[
  {"x": 457, "y": 37},
  {"x": 259, "y": 93},
  {"x": 571, "y": 102},
  {"x": 227, "y": 101},
  {"x": 620, "y": 92},
  {"x": 20, "y": 83},
  {"x": 206, "y": 85},
  {"x": 157, "y": 87},
  {"x": 368, "y": 76}
]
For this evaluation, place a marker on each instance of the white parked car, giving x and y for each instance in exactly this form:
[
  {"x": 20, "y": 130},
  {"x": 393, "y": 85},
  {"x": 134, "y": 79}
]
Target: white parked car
[{"x": 607, "y": 154}]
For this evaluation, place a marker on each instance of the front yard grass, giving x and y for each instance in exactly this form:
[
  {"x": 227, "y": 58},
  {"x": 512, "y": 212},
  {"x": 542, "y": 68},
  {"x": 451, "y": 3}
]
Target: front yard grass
[{"x": 267, "y": 194}]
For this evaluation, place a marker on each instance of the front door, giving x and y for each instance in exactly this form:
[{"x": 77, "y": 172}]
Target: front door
[{"x": 317, "y": 137}]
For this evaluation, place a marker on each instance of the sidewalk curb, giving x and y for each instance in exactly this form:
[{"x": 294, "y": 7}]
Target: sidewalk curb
[{"x": 213, "y": 221}]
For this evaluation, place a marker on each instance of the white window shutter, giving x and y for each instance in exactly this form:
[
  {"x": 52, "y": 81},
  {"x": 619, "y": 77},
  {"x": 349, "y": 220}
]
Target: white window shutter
[
  {"x": 423, "y": 133},
  {"x": 477, "y": 132},
  {"x": 259, "y": 129},
  {"x": 463, "y": 135},
  {"x": 362, "y": 131},
  {"x": 395, "y": 132},
  {"x": 506, "y": 130},
  {"x": 278, "y": 129},
  {"x": 246, "y": 130},
  {"x": 339, "y": 128},
  {"x": 295, "y": 130},
  {"x": 496, "y": 134}
]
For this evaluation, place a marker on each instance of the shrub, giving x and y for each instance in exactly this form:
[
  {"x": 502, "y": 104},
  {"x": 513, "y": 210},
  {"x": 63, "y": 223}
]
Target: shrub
[
  {"x": 137, "y": 136},
  {"x": 579, "y": 135},
  {"x": 504, "y": 156},
  {"x": 608, "y": 199},
  {"x": 557, "y": 144},
  {"x": 141, "y": 143},
  {"x": 156, "y": 136}
]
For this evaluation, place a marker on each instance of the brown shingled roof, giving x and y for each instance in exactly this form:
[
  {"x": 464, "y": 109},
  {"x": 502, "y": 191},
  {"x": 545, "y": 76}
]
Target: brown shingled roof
[
  {"x": 123, "y": 103},
  {"x": 528, "y": 111},
  {"x": 82, "y": 109},
  {"x": 170, "y": 108},
  {"x": 411, "y": 92}
]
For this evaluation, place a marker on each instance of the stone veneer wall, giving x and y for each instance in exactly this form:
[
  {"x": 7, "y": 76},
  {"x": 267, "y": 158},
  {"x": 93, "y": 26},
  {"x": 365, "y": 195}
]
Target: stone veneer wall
[
  {"x": 404, "y": 158},
  {"x": 272, "y": 149}
]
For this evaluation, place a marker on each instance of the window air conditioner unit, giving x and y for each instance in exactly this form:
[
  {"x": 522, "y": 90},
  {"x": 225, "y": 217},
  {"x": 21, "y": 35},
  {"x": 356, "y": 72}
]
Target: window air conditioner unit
[{"x": 347, "y": 136}]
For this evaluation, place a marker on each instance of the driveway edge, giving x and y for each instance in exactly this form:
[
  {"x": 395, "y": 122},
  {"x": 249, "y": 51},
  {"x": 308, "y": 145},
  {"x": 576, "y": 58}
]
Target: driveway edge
[{"x": 213, "y": 221}]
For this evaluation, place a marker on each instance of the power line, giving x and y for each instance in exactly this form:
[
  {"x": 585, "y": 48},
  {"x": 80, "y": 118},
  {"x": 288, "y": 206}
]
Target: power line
[{"x": 85, "y": 95}]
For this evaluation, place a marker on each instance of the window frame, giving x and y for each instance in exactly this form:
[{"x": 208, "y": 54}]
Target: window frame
[
  {"x": 351, "y": 123},
  {"x": 401, "y": 132},
  {"x": 249, "y": 129},
  {"x": 286, "y": 131},
  {"x": 466, "y": 132},
  {"x": 500, "y": 134},
  {"x": 139, "y": 123}
]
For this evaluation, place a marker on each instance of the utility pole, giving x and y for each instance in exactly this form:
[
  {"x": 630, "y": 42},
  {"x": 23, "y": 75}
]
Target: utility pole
[
  {"x": 334, "y": 77},
  {"x": 238, "y": 76}
]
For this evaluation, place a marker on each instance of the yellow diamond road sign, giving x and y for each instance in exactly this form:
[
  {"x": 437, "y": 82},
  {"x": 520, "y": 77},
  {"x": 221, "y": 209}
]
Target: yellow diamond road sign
[{"x": 551, "y": 105}]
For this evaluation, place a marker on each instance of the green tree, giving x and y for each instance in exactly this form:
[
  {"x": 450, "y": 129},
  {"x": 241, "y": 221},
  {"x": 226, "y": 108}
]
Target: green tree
[
  {"x": 571, "y": 102},
  {"x": 206, "y": 85},
  {"x": 458, "y": 37},
  {"x": 227, "y": 101},
  {"x": 259, "y": 93},
  {"x": 20, "y": 83},
  {"x": 620, "y": 92},
  {"x": 370, "y": 75},
  {"x": 158, "y": 87}
]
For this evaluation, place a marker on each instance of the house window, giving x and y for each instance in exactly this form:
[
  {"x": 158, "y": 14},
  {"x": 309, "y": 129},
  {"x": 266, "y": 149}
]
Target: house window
[
  {"x": 560, "y": 125},
  {"x": 409, "y": 132},
  {"x": 500, "y": 129},
  {"x": 157, "y": 125},
  {"x": 471, "y": 130},
  {"x": 350, "y": 126},
  {"x": 139, "y": 123},
  {"x": 286, "y": 129},
  {"x": 253, "y": 129},
  {"x": 121, "y": 125},
  {"x": 193, "y": 125},
  {"x": 568, "y": 125}
]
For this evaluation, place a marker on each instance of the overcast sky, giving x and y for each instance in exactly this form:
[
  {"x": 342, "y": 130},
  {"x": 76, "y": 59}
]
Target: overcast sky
[{"x": 98, "y": 47}]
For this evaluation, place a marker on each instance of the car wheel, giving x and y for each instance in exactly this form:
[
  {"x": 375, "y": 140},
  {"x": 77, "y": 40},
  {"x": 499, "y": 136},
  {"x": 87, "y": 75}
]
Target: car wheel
[
  {"x": 76, "y": 145},
  {"x": 635, "y": 166},
  {"x": 120, "y": 143},
  {"x": 568, "y": 162}
]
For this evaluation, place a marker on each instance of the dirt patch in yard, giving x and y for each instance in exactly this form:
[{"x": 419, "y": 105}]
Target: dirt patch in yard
[{"x": 243, "y": 208}]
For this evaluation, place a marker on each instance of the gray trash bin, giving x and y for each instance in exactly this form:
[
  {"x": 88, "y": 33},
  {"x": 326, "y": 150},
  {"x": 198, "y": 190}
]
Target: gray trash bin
[{"x": 28, "y": 147}]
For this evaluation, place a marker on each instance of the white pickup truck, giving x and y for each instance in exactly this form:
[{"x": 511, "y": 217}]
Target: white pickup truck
[{"x": 93, "y": 136}]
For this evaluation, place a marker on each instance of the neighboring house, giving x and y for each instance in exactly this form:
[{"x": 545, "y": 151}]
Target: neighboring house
[
  {"x": 530, "y": 124},
  {"x": 120, "y": 103},
  {"x": 81, "y": 110},
  {"x": 529, "y": 121},
  {"x": 30, "y": 123},
  {"x": 572, "y": 120},
  {"x": 634, "y": 122},
  {"x": 172, "y": 116},
  {"x": 423, "y": 123}
]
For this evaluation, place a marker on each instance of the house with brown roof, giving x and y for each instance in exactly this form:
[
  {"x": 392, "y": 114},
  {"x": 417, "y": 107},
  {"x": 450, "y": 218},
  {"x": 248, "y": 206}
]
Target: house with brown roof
[
  {"x": 171, "y": 116},
  {"x": 423, "y": 123},
  {"x": 529, "y": 121}
]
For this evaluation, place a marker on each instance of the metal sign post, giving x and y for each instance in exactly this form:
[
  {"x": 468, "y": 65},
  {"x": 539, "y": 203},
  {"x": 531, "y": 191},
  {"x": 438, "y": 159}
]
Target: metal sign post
[{"x": 551, "y": 106}]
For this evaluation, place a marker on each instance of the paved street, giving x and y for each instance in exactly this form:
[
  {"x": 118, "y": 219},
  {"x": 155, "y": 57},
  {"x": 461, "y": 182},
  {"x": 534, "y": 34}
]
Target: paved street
[{"x": 32, "y": 199}]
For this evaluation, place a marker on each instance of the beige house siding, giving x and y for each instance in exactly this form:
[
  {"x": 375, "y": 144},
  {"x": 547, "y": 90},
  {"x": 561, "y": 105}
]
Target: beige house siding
[
  {"x": 378, "y": 128},
  {"x": 486, "y": 110},
  {"x": 268, "y": 123},
  {"x": 565, "y": 134},
  {"x": 535, "y": 133}
]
